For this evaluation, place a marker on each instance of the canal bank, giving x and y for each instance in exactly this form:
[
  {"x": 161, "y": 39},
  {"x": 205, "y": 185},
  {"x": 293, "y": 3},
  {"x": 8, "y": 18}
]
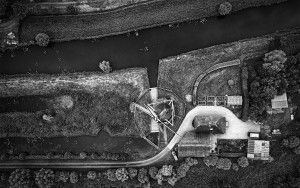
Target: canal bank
[{"x": 151, "y": 45}]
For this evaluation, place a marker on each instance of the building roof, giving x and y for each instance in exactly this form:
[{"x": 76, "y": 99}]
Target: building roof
[
  {"x": 280, "y": 101},
  {"x": 258, "y": 149},
  {"x": 234, "y": 100},
  {"x": 195, "y": 145}
]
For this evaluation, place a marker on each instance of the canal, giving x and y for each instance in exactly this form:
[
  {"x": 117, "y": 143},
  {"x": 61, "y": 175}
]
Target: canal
[{"x": 145, "y": 50}]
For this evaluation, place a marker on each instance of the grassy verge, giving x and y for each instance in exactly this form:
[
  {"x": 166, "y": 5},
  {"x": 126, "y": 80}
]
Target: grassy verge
[
  {"x": 122, "y": 20},
  {"x": 77, "y": 104}
]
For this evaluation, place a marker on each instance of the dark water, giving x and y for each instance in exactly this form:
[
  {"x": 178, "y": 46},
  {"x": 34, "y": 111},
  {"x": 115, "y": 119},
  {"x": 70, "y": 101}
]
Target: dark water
[{"x": 124, "y": 52}]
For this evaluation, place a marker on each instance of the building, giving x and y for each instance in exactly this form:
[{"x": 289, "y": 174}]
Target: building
[
  {"x": 279, "y": 102},
  {"x": 195, "y": 145},
  {"x": 258, "y": 149},
  {"x": 234, "y": 100},
  {"x": 210, "y": 124},
  {"x": 220, "y": 101}
]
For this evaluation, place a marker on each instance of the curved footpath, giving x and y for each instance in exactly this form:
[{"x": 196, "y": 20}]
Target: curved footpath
[{"x": 185, "y": 127}]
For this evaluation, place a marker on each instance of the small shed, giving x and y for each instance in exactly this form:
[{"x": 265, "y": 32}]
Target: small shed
[
  {"x": 280, "y": 102},
  {"x": 258, "y": 149},
  {"x": 234, "y": 100}
]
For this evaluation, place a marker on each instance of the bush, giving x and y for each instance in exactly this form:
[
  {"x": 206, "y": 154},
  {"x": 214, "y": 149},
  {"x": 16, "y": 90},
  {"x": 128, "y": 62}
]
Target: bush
[
  {"x": 122, "y": 174},
  {"x": 225, "y": 8},
  {"x": 294, "y": 141},
  {"x": 91, "y": 175},
  {"x": 62, "y": 176},
  {"x": 142, "y": 176},
  {"x": 274, "y": 61},
  {"x": 243, "y": 162},
  {"x": 235, "y": 167},
  {"x": 105, "y": 66},
  {"x": 71, "y": 9},
  {"x": 73, "y": 177},
  {"x": 83, "y": 155},
  {"x": 42, "y": 39},
  {"x": 111, "y": 175},
  {"x": 44, "y": 178},
  {"x": 191, "y": 161},
  {"x": 210, "y": 160},
  {"x": 182, "y": 170},
  {"x": 166, "y": 170},
  {"x": 19, "y": 178},
  {"x": 153, "y": 172},
  {"x": 132, "y": 172},
  {"x": 224, "y": 163}
]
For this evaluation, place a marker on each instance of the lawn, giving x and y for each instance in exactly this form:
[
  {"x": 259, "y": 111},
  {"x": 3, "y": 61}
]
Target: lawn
[{"x": 74, "y": 113}]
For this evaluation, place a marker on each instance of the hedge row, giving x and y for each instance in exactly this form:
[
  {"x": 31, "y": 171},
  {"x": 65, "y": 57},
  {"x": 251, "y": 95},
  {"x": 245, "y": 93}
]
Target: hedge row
[{"x": 151, "y": 14}]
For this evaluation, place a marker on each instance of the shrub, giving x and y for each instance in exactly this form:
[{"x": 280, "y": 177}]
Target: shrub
[
  {"x": 285, "y": 143},
  {"x": 105, "y": 66},
  {"x": 225, "y": 8},
  {"x": 83, "y": 155},
  {"x": 122, "y": 174},
  {"x": 42, "y": 39},
  {"x": 111, "y": 175},
  {"x": 294, "y": 141},
  {"x": 19, "y": 178},
  {"x": 191, "y": 161},
  {"x": 44, "y": 178},
  {"x": 142, "y": 176},
  {"x": 73, "y": 177},
  {"x": 91, "y": 175},
  {"x": 62, "y": 176},
  {"x": 166, "y": 170},
  {"x": 172, "y": 180},
  {"x": 235, "y": 167},
  {"x": 182, "y": 170},
  {"x": 132, "y": 172},
  {"x": 274, "y": 61},
  {"x": 68, "y": 155},
  {"x": 224, "y": 163},
  {"x": 243, "y": 162},
  {"x": 210, "y": 160},
  {"x": 153, "y": 172},
  {"x": 71, "y": 9}
]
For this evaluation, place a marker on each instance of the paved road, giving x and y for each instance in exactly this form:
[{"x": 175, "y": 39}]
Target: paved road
[{"x": 185, "y": 127}]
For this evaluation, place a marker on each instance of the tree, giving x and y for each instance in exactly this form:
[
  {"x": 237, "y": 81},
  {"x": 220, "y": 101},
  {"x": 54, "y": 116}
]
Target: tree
[
  {"x": 225, "y": 8},
  {"x": 42, "y": 39},
  {"x": 132, "y": 172},
  {"x": 153, "y": 172},
  {"x": 91, "y": 175},
  {"x": 44, "y": 178},
  {"x": 19, "y": 178},
  {"x": 62, "y": 176},
  {"x": 105, "y": 66},
  {"x": 73, "y": 177},
  {"x": 243, "y": 162},
  {"x": 274, "y": 61},
  {"x": 83, "y": 155},
  {"x": 166, "y": 170},
  {"x": 111, "y": 174},
  {"x": 142, "y": 176},
  {"x": 71, "y": 9},
  {"x": 224, "y": 163},
  {"x": 210, "y": 160},
  {"x": 122, "y": 174},
  {"x": 235, "y": 167},
  {"x": 191, "y": 161},
  {"x": 294, "y": 141},
  {"x": 182, "y": 170}
]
